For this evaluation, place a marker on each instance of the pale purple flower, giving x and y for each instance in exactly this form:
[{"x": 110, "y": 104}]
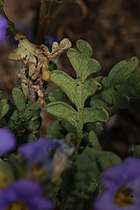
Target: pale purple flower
[
  {"x": 24, "y": 194},
  {"x": 122, "y": 187},
  {"x": 7, "y": 141},
  {"x": 46, "y": 153}
]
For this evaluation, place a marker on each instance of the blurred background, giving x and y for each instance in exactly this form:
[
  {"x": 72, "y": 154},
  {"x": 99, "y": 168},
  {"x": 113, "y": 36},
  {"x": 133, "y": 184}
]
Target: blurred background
[{"x": 113, "y": 30}]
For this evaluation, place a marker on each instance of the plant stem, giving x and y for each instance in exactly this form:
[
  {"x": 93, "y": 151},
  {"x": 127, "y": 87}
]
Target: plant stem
[
  {"x": 80, "y": 129},
  {"x": 43, "y": 20}
]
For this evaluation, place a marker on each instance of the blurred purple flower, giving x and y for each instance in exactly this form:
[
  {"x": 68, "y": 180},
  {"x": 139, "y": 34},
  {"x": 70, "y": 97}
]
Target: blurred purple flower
[
  {"x": 122, "y": 187},
  {"x": 44, "y": 154},
  {"x": 3, "y": 27},
  {"x": 24, "y": 194},
  {"x": 7, "y": 140},
  {"x": 50, "y": 40},
  {"x": 38, "y": 151}
]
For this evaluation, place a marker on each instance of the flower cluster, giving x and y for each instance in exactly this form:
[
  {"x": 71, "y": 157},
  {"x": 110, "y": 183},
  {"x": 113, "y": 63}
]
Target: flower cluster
[
  {"x": 3, "y": 27},
  {"x": 41, "y": 155},
  {"x": 122, "y": 187},
  {"x": 24, "y": 194}
]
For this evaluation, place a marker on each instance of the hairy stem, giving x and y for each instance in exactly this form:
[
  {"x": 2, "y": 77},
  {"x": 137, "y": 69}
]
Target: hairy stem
[
  {"x": 43, "y": 20},
  {"x": 79, "y": 130}
]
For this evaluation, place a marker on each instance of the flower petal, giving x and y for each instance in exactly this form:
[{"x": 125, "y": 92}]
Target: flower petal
[{"x": 7, "y": 140}]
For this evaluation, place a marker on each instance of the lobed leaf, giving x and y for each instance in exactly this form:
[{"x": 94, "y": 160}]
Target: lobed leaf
[
  {"x": 66, "y": 83},
  {"x": 81, "y": 61},
  {"x": 89, "y": 88},
  {"x": 64, "y": 111},
  {"x": 84, "y": 47},
  {"x": 132, "y": 86},
  {"x": 120, "y": 72},
  {"x": 95, "y": 115},
  {"x": 112, "y": 97}
]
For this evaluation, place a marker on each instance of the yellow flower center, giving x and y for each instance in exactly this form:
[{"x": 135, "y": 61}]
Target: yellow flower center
[
  {"x": 17, "y": 205},
  {"x": 38, "y": 171},
  {"x": 124, "y": 197},
  {"x": 5, "y": 179}
]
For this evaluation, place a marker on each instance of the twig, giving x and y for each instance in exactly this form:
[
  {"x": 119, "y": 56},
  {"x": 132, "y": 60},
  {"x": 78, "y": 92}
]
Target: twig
[{"x": 43, "y": 20}]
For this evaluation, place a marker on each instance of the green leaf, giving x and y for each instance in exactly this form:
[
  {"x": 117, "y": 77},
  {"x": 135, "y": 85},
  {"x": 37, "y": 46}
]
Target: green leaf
[
  {"x": 32, "y": 110},
  {"x": 137, "y": 152},
  {"x": 64, "y": 111},
  {"x": 75, "y": 59},
  {"x": 112, "y": 97},
  {"x": 66, "y": 83},
  {"x": 120, "y": 101},
  {"x": 84, "y": 47},
  {"x": 91, "y": 67},
  {"x": 106, "y": 159},
  {"x": 18, "y": 97},
  {"x": 95, "y": 115},
  {"x": 33, "y": 125},
  {"x": 76, "y": 90},
  {"x": 96, "y": 103},
  {"x": 55, "y": 130},
  {"x": 120, "y": 72},
  {"x": 93, "y": 140},
  {"x": 132, "y": 86},
  {"x": 55, "y": 95},
  {"x": 81, "y": 61},
  {"x": 89, "y": 88},
  {"x": 4, "y": 107},
  {"x": 102, "y": 159},
  {"x": 15, "y": 116}
]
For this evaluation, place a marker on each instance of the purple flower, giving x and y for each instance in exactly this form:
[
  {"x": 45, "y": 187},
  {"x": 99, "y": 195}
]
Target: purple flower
[
  {"x": 3, "y": 27},
  {"x": 38, "y": 151},
  {"x": 122, "y": 187},
  {"x": 24, "y": 194},
  {"x": 7, "y": 140},
  {"x": 44, "y": 154}
]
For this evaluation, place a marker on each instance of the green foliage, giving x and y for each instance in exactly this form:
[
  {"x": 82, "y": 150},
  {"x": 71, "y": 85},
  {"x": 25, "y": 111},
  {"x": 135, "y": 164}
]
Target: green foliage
[
  {"x": 63, "y": 110},
  {"x": 93, "y": 141},
  {"x": 4, "y": 107},
  {"x": 78, "y": 90},
  {"x": 92, "y": 100},
  {"x": 81, "y": 61},
  {"x": 55, "y": 95},
  {"x": 117, "y": 85},
  {"x": 81, "y": 181},
  {"x": 23, "y": 115},
  {"x": 19, "y": 100},
  {"x": 82, "y": 105},
  {"x": 136, "y": 152}
]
